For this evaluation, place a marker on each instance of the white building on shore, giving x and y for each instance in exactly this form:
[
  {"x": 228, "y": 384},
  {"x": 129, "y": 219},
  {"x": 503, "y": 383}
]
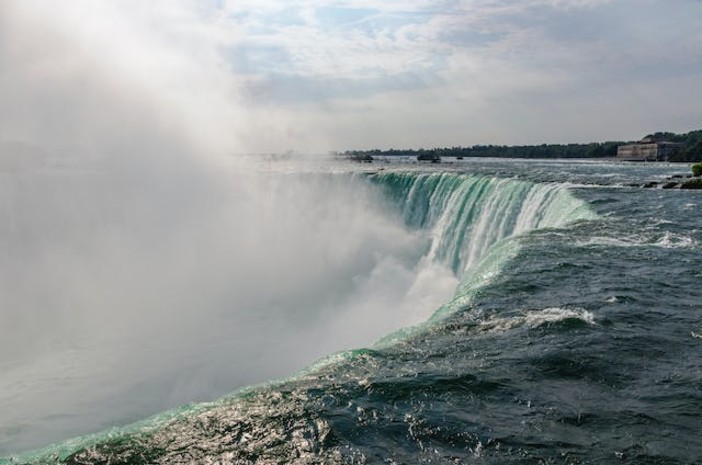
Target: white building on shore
[{"x": 648, "y": 149}]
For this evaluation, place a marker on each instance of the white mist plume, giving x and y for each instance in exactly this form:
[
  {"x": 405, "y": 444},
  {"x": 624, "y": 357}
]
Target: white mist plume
[
  {"x": 139, "y": 271},
  {"x": 128, "y": 76}
]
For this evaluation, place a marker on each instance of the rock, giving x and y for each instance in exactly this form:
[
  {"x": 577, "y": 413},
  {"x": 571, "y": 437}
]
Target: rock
[{"x": 430, "y": 156}]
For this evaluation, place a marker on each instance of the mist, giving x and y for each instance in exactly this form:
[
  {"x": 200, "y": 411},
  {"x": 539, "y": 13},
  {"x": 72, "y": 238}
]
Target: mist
[{"x": 146, "y": 265}]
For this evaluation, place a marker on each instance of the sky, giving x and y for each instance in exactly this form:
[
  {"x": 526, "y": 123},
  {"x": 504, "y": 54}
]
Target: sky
[{"x": 321, "y": 75}]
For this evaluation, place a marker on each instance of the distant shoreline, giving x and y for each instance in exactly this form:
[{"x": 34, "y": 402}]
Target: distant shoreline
[{"x": 691, "y": 150}]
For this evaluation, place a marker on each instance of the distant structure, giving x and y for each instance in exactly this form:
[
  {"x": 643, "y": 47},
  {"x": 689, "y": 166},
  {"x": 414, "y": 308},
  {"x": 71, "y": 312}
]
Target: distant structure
[
  {"x": 429, "y": 156},
  {"x": 648, "y": 149}
]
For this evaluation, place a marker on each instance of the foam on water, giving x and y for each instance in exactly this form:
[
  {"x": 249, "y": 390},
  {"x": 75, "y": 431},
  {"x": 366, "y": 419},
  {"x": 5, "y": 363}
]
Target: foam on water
[
  {"x": 664, "y": 240},
  {"x": 676, "y": 241},
  {"x": 536, "y": 318}
]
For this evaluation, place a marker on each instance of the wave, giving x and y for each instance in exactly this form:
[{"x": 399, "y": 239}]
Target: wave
[
  {"x": 663, "y": 240},
  {"x": 537, "y": 318}
]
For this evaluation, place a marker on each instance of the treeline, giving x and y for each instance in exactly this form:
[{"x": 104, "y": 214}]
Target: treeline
[
  {"x": 594, "y": 150},
  {"x": 691, "y": 150}
]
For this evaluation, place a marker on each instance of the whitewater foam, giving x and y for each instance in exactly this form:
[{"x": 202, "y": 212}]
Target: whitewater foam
[
  {"x": 536, "y": 318},
  {"x": 675, "y": 241},
  {"x": 665, "y": 240}
]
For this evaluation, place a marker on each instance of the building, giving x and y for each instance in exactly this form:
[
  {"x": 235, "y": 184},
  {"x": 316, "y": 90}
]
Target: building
[{"x": 648, "y": 149}]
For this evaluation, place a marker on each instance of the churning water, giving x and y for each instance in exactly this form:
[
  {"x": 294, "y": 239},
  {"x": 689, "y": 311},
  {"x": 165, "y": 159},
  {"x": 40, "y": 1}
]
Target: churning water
[{"x": 484, "y": 311}]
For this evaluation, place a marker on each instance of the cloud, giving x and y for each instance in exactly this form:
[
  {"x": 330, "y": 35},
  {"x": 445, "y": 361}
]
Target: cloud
[
  {"x": 486, "y": 57},
  {"x": 222, "y": 72}
]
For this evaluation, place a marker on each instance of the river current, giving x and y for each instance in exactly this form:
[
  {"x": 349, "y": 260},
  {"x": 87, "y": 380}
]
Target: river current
[{"x": 480, "y": 311}]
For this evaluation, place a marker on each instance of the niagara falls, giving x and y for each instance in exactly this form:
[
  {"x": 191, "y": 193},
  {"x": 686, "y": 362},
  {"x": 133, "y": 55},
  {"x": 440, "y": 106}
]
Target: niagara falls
[{"x": 350, "y": 232}]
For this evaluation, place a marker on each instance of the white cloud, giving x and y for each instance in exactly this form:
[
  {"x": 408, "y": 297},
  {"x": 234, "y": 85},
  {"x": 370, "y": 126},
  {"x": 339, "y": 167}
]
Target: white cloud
[
  {"x": 271, "y": 65},
  {"x": 477, "y": 60}
]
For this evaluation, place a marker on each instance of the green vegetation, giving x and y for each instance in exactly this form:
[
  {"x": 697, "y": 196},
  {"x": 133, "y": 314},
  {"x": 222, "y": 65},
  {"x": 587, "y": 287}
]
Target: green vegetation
[
  {"x": 691, "y": 150},
  {"x": 697, "y": 169},
  {"x": 694, "y": 183},
  {"x": 593, "y": 150}
]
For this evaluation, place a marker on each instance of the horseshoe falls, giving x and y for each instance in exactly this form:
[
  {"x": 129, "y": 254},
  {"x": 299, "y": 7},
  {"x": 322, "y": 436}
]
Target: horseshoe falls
[{"x": 482, "y": 311}]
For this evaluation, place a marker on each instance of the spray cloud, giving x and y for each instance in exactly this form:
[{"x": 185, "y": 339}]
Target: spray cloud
[{"x": 144, "y": 265}]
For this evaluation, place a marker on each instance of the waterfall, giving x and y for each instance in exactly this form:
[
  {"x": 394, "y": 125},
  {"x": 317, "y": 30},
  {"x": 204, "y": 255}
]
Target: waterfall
[{"x": 470, "y": 218}]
